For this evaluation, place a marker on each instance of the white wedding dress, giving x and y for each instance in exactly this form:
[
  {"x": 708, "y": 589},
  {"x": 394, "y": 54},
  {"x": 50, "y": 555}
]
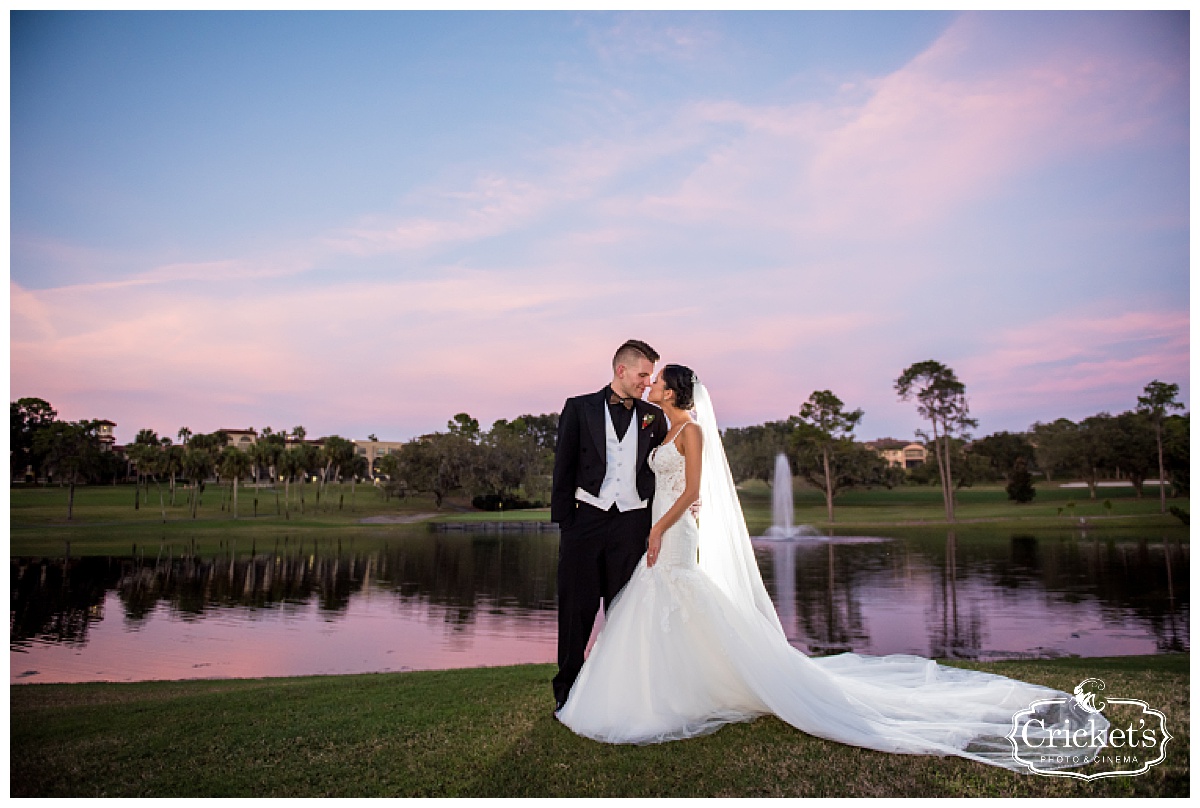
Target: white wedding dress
[{"x": 694, "y": 643}]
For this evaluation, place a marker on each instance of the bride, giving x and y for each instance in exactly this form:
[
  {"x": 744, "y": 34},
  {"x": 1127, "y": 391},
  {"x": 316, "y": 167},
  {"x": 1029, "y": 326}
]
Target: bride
[{"x": 693, "y": 642}]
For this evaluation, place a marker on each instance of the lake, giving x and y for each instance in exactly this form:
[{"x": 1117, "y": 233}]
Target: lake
[{"x": 450, "y": 600}]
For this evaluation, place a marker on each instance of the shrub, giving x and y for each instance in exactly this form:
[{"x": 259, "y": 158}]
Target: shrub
[
  {"x": 495, "y": 502},
  {"x": 1020, "y": 482}
]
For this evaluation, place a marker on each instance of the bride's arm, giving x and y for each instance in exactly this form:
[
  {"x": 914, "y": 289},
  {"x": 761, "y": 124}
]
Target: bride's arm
[{"x": 689, "y": 442}]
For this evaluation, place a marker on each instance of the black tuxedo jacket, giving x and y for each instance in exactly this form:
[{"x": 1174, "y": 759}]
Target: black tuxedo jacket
[{"x": 581, "y": 459}]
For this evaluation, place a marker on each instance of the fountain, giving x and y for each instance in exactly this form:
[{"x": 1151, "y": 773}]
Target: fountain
[{"x": 782, "y": 506}]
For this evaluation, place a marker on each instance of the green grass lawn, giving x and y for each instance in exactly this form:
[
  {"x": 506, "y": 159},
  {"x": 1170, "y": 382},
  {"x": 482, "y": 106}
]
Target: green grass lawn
[
  {"x": 488, "y": 732},
  {"x": 906, "y": 505},
  {"x": 33, "y": 506},
  {"x": 105, "y": 521}
]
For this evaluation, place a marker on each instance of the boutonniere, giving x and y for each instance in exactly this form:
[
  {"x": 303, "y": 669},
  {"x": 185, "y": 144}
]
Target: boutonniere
[{"x": 647, "y": 419}]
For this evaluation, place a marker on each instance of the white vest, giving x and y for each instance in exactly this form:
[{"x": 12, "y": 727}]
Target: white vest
[{"x": 620, "y": 474}]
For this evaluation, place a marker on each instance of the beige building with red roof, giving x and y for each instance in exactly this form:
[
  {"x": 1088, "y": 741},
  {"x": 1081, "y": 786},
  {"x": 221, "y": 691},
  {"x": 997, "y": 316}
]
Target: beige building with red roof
[{"x": 899, "y": 453}]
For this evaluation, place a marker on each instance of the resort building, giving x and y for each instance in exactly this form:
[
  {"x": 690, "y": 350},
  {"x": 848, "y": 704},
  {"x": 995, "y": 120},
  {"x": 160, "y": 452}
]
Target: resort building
[
  {"x": 244, "y": 439},
  {"x": 899, "y": 453},
  {"x": 107, "y": 439},
  {"x": 374, "y": 450},
  {"x": 241, "y": 438}
]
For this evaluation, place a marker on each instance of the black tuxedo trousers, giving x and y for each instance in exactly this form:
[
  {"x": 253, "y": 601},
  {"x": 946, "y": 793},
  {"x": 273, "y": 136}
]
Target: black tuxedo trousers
[
  {"x": 598, "y": 550},
  {"x": 597, "y": 554}
]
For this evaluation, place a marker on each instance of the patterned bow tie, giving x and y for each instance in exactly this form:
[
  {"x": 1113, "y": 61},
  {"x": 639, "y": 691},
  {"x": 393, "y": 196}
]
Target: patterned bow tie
[{"x": 616, "y": 399}]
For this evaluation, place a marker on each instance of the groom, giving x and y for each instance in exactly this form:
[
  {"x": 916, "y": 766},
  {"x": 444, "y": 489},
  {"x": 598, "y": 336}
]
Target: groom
[{"x": 601, "y": 499}]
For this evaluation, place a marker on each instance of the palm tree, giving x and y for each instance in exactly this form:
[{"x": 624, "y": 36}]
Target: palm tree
[
  {"x": 278, "y": 447},
  {"x": 298, "y": 435},
  {"x": 197, "y": 464},
  {"x": 156, "y": 463},
  {"x": 267, "y": 451},
  {"x": 357, "y": 467},
  {"x": 183, "y": 435},
  {"x": 174, "y": 466},
  {"x": 336, "y": 453},
  {"x": 313, "y": 459},
  {"x": 143, "y": 452},
  {"x": 291, "y": 463},
  {"x": 260, "y": 454},
  {"x": 235, "y": 464}
]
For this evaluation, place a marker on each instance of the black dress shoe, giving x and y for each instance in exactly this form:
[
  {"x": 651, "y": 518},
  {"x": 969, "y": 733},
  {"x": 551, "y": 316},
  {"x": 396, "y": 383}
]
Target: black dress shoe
[{"x": 558, "y": 705}]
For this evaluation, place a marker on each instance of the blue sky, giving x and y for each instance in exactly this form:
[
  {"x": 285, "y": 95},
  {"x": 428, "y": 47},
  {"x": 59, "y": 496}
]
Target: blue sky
[{"x": 369, "y": 222}]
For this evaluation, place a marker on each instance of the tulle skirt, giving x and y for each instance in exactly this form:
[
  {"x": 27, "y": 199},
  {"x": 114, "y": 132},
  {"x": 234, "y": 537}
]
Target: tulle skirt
[
  {"x": 658, "y": 671},
  {"x": 676, "y": 660}
]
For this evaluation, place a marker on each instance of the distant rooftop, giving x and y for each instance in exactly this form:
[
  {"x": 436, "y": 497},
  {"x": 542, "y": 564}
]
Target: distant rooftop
[{"x": 889, "y": 443}]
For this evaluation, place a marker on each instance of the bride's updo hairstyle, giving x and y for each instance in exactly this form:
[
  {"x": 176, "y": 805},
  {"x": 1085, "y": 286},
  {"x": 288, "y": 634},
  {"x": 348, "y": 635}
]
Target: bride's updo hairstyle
[{"x": 680, "y": 380}]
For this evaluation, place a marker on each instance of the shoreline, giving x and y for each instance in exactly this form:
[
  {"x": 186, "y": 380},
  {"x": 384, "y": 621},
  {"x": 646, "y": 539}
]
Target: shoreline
[
  {"x": 200, "y": 680},
  {"x": 275, "y": 522}
]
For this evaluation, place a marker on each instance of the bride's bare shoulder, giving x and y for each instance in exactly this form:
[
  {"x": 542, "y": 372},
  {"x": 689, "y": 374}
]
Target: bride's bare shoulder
[{"x": 690, "y": 439}]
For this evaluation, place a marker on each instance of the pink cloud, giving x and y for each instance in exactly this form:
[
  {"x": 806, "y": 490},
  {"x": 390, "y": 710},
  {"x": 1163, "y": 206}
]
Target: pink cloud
[
  {"x": 399, "y": 357},
  {"x": 937, "y": 133},
  {"x": 1077, "y": 364},
  {"x": 496, "y": 203},
  {"x": 906, "y": 150},
  {"x": 404, "y": 355}
]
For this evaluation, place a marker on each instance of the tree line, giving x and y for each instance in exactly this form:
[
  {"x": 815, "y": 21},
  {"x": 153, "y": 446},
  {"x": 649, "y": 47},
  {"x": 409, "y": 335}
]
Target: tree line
[
  {"x": 506, "y": 467},
  {"x": 1147, "y": 440},
  {"x": 510, "y": 465},
  {"x": 72, "y": 453}
]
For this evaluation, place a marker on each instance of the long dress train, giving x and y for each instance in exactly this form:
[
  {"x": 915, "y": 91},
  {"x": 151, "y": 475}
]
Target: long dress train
[{"x": 678, "y": 657}]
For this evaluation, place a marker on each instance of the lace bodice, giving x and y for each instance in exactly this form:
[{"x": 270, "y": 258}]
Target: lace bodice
[{"x": 682, "y": 538}]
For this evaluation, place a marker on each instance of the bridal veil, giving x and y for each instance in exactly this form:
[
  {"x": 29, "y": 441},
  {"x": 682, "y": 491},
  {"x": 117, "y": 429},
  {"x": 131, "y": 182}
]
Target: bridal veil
[{"x": 899, "y": 703}]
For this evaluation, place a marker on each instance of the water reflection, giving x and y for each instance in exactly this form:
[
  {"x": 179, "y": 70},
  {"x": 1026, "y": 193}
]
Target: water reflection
[
  {"x": 454, "y": 600},
  {"x": 464, "y": 574},
  {"x": 954, "y": 633},
  {"x": 982, "y": 598},
  {"x": 815, "y": 596}
]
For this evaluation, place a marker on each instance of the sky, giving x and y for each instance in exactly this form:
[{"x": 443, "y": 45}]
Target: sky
[{"x": 364, "y": 223}]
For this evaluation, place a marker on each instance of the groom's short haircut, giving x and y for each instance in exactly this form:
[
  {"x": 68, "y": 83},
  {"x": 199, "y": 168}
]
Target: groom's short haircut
[{"x": 632, "y": 351}]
